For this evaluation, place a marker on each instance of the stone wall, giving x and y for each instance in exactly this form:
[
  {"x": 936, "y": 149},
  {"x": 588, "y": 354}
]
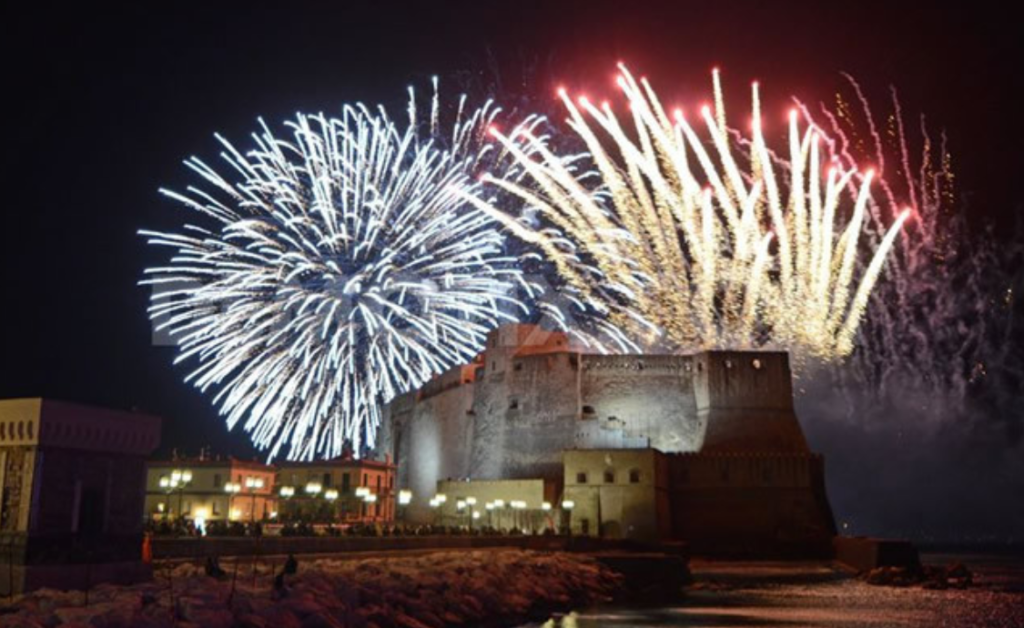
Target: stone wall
[
  {"x": 648, "y": 397},
  {"x": 750, "y": 504}
]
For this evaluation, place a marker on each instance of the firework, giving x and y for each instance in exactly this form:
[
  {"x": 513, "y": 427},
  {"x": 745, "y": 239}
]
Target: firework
[
  {"x": 943, "y": 327},
  {"x": 690, "y": 243},
  {"x": 334, "y": 268}
]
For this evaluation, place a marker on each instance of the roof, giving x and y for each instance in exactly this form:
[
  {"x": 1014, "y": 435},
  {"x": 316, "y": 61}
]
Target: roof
[
  {"x": 228, "y": 462},
  {"x": 340, "y": 463}
]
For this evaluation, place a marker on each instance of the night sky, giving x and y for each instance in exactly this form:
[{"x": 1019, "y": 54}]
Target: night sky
[{"x": 103, "y": 104}]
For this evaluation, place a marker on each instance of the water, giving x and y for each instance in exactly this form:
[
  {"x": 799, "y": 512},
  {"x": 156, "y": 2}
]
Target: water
[{"x": 813, "y": 594}]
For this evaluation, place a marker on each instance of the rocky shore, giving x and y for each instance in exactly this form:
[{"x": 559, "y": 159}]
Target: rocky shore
[{"x": 471, "y": 588}]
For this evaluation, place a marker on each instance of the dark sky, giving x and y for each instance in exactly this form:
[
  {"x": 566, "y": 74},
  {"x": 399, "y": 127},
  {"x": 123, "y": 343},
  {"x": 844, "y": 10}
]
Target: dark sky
[{"x": 103, "y": 104}]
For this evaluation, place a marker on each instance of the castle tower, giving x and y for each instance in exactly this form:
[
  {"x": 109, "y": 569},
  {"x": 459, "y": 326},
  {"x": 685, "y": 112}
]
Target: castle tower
[{"x": 746, "y": 401}]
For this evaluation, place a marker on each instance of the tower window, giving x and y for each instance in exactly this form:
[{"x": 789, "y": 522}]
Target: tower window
[
  {"x": 513, "y": 404},
  {"x": 581, "y": 477},
  {"x": 609, "y": 477},
  {"x": 634, "y": 476}
]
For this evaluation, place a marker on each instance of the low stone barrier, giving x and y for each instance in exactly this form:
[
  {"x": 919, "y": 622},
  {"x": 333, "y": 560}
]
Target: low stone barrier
[
  {"x": 864, "y": 553},
  {"x": 198, "y": 548}
]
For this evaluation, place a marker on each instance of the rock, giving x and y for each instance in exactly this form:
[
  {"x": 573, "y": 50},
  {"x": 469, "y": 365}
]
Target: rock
[
  {"x": 405, "y": 621},
  {"x": 321, "y": 621},
  {"x": 251, "y": 620}
]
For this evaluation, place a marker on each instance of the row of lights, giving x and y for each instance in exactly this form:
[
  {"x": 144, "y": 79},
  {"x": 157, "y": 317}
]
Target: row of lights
[
  {"x": 461, "y": 504},
  {"x": 315, "y": 488},
  {"x": 251, "y": 484},
  {"x": 178, "y": 478}
]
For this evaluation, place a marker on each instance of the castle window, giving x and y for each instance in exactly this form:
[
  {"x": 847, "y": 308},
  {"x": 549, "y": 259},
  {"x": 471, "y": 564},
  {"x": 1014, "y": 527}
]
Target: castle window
[
  {"x": 518, "y": 366},
  {"x": 609, "y": 477},
  {"x": 639, "y": 366},
  {"x": 588, "y": 409},
  {"x": 756, "y": 364},
  {"x": 634, "y": 476},
  {"x": 581, "y": 477},
  {"x": 513, "y": 404}
]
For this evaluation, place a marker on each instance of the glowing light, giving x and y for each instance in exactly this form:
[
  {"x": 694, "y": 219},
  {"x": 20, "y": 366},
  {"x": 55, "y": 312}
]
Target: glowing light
[
  {"x": 688, "y": 243},
  {"x": 404, "y": 497},
  {"x": 335, "y": 269}
]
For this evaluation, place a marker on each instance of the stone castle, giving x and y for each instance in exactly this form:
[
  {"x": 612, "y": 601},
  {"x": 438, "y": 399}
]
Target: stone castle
[{"x": 723, "y": 420}]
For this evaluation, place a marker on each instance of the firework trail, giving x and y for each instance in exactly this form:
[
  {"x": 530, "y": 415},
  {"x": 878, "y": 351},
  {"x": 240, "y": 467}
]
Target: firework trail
[
  {"x": 336, "y": 267},
  {"x": 944, "y": 322},
  {"x": 690, "y": 247}
]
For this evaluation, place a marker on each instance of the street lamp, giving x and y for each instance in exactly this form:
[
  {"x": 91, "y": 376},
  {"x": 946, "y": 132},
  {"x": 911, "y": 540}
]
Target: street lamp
[
  {"x": 232, "y": 489},
  {"x": 568, "y": 505},
  {"x": 287, "y": 492},
  {"x": 178, "y": 480},
  {"x": 473, "y": 514},
  {"x": 312, "y": 490},
  {"x": 404, "y": 499},
  {"x": 253, "y": 484},
  {"x": 331, "y": 495},
  {"x": 371, "y": 499}
]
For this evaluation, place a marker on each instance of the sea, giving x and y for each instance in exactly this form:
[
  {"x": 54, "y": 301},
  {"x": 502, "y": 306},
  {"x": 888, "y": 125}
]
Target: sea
[{"x": 783, "y": 595}]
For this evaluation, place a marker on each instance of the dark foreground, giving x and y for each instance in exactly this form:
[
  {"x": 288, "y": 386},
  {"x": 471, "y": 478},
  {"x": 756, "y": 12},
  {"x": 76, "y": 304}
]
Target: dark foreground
[
  {"x": 497, "y": 587},
  {"x": 782, "y": 595}
]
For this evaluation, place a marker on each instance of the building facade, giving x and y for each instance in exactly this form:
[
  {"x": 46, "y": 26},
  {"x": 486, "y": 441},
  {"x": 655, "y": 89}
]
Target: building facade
[
  {"x": 618, "y": 493},
  {"x": 72, "y": 483},
  {"x": 205, "y": 490},
  {"x": 343, "y": 490}
]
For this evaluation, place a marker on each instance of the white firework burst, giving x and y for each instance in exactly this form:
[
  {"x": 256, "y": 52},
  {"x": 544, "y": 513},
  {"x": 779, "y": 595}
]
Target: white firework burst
[{"x": 336, "y": 267}]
